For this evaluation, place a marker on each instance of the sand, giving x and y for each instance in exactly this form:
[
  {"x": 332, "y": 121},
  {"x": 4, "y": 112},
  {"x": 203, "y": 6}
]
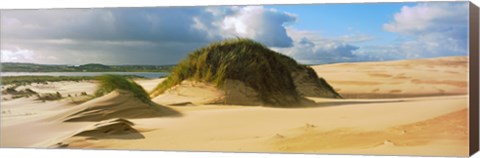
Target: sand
[
  {"x": 407, "y": 78},
  {"x": 117, "y": 104},
  {"x": 418, "y": 121},
  {"x": 64, "y": 87},
  {"x": 200, "y": 93},
  {"x": 190, "y": 93}
]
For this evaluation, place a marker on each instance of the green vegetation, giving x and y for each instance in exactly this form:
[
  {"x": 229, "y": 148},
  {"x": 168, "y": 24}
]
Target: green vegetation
[
  {"x": 29, "y": 92},
  {"x": 30, "y": 67},
  {"x": 25, "y": 80},
  {"x": 109, "y": 83},
  {"x": 293, "y": 66},
  {"x": 12, "y": 82},
  {"x": 12, "y": 90},
  {"x": 19, "y": 93},
  {"x": 328, "y": 91},
  {"x": 240, "y": 59},
  {"x": 49, "y": 96}
]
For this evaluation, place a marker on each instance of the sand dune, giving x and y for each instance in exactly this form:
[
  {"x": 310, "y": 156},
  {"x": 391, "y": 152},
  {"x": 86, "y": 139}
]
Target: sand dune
[
  {"x": 108, "y": 129},
  {"x": 22, "y": 116},
  {"x": 26, "y": 122},
  {"x": 198, "y": 93},
  {"x": 419, "y": 107},
  {"x": 118, "y": 103},
  {"x": 189, "y": 92},
  {"x": 406, "y": 78}
]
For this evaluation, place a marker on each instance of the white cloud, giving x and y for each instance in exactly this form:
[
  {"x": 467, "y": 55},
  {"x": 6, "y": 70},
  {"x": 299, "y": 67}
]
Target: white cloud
[
  {"x": 264, "y": 25},
  {"x": 432, "y": 29},
  {"x": 429, "y": 18},
  {"x": 18, "y": 55},
  {"x": 355, "y": 38},
  {"x": 310, "y": 48},
  {"x": 425, "y": 30}
]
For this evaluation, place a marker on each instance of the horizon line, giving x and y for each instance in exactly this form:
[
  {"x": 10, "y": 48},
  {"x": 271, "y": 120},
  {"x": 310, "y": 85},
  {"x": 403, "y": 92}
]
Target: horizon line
[{"x": 2, "y": 62}]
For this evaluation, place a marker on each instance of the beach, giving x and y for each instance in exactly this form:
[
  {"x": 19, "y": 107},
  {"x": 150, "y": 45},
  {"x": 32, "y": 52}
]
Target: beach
[{"x": 408, "y": 107}]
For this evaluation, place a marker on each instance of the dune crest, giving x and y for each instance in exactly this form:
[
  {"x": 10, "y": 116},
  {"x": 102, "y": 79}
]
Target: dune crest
[{"x": 118, "y": 104}]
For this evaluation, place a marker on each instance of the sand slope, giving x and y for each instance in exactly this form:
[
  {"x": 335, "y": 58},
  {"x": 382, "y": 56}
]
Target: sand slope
[
  {"x": 320, "y": 129},
  {"x": 118, "y": 103},
  {"x": 406, "y": 78},
  {"x": 26, "y": 122},
  {"x": 20, "y": 117},
  {"x": 196, "y": 93},
  {"x": 189, "y": 92}
]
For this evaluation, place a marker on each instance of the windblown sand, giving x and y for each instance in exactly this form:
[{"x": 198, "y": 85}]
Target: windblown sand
[{"x": 416, "y": 107}]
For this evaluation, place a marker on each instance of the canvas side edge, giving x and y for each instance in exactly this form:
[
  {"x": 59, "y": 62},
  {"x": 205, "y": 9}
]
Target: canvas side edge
[{"x": 473, "y": 78}]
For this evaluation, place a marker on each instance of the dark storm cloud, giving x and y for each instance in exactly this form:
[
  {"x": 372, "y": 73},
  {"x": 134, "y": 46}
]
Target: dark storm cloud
[
  {"x": 131, "y": 35},
  {"x": 125, "y": 24}
]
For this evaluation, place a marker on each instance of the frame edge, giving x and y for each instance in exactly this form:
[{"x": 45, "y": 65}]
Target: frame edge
[{"x": 473, "y": 78}]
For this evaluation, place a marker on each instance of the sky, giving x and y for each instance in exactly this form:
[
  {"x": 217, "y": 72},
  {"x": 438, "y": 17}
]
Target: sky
[{"x": 311, "y": 34}]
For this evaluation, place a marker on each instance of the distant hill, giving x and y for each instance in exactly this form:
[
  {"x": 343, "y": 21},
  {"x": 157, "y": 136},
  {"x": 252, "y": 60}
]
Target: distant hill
[{"x": 92, "y": 67}]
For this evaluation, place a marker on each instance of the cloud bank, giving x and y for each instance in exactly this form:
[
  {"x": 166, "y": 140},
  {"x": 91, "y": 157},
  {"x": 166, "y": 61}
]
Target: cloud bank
[{"x": 311, "y": 48}]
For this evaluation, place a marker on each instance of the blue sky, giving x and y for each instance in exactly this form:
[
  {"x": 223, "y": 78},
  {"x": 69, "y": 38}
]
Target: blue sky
[
  {"x": 340, "y": 19},
  {"x": 311, "y": 34}
]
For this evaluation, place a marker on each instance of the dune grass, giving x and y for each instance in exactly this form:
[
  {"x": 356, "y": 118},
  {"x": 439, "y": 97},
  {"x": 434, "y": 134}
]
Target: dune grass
[
  {"x": 109, "y": 83},
  {"x": 26, "y": 80},
  {"x": 49, "y": 96},
  {"x": 18, "y": 93},
  {"x": 293, "y": 66},
  {"x": 245, "y": 60}
]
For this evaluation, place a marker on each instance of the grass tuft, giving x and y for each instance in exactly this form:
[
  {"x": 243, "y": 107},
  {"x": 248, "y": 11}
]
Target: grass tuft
[{"x": 109, "y": 83}]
